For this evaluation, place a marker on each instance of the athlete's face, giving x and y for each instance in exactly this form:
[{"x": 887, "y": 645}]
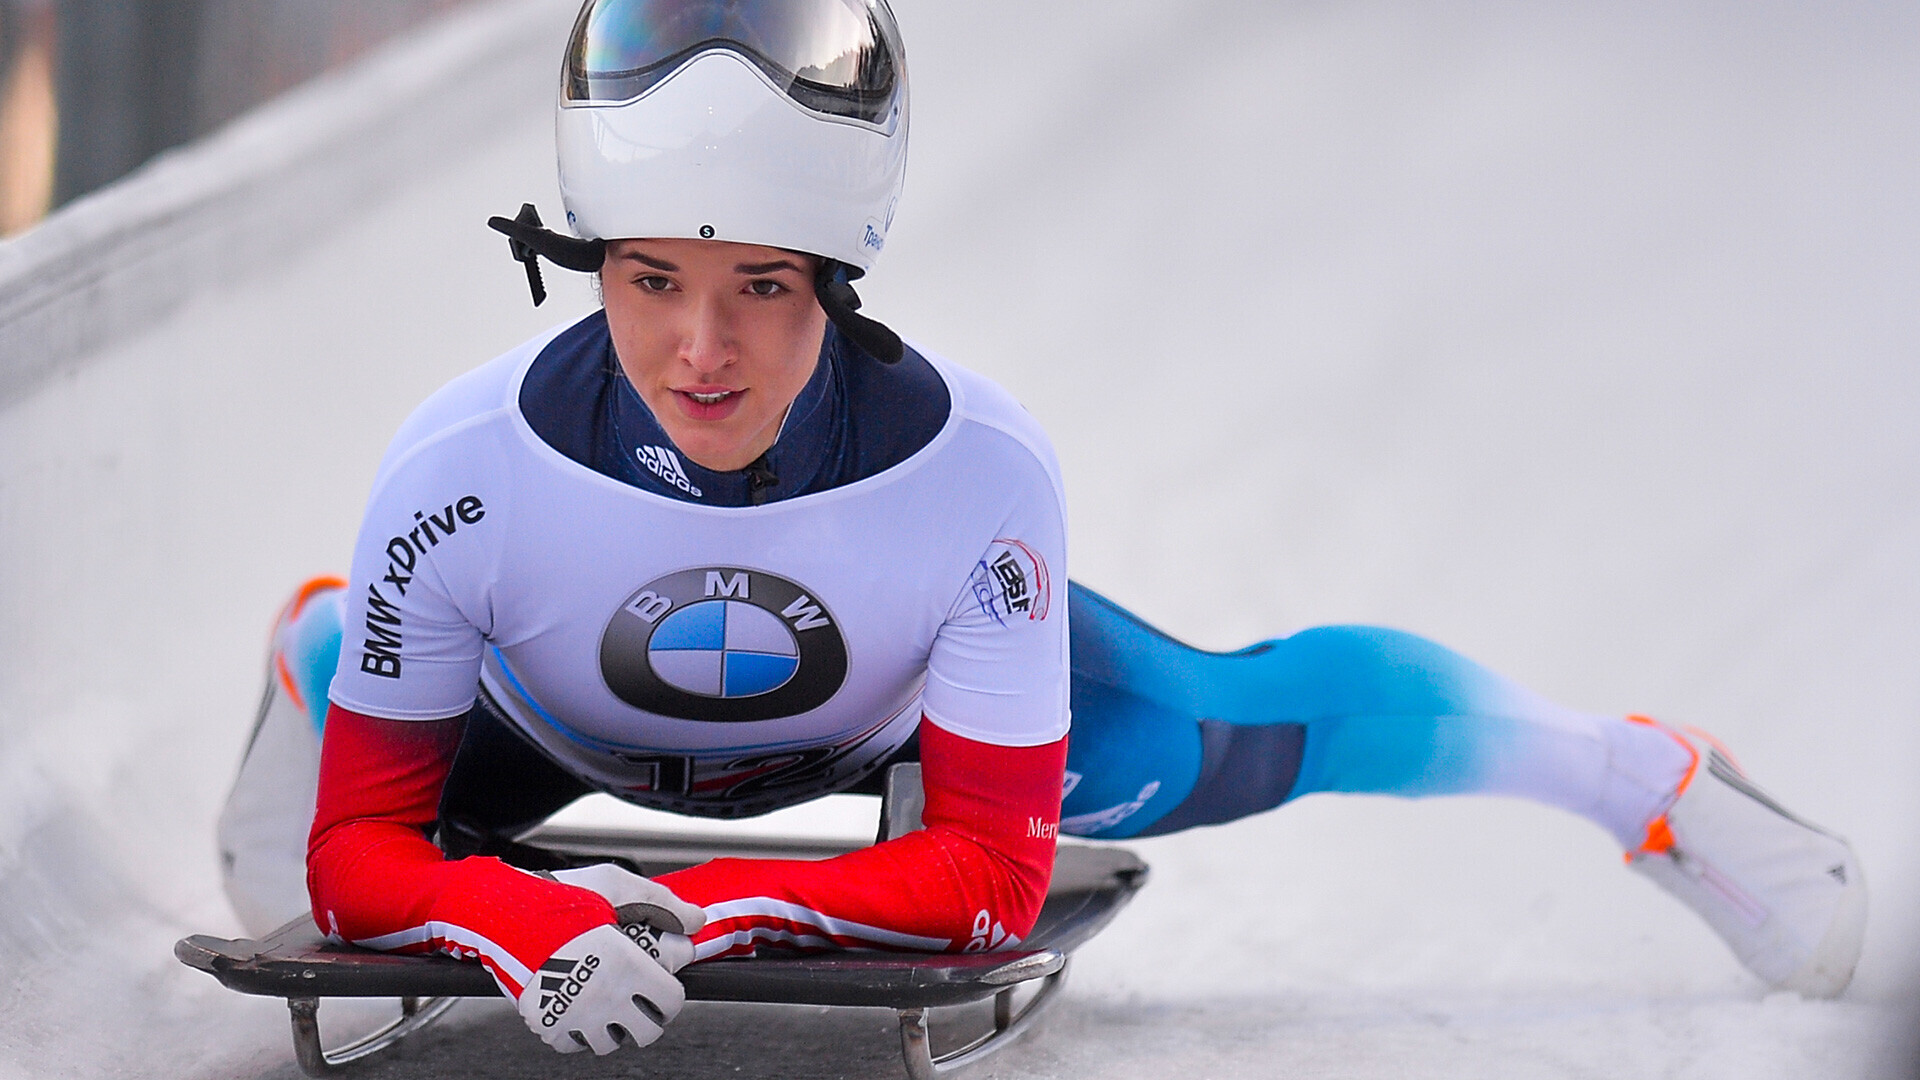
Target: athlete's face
[{"x": 718, "y": 338}]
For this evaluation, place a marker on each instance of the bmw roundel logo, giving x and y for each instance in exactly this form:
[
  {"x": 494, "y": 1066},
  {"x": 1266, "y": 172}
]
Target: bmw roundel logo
[{"x": 723, "y": 644}]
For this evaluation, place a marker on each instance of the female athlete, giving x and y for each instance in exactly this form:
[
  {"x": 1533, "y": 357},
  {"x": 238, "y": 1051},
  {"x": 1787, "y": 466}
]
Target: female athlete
[{"x": 728, "y": 545}]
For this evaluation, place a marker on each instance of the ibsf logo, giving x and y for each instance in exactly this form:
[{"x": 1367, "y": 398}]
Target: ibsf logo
[{"x": 723, "y": 644}]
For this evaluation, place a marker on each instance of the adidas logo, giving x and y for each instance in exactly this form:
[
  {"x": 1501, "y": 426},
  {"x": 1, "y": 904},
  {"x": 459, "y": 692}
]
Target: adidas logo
[
  {"x": 988, "y": 934},
  {"x": 561, "y": 981},
  {"x": 644, "y": 936},
  {"x": 665, "y": 464}
]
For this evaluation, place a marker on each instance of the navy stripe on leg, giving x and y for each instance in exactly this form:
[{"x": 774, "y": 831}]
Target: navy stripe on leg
[{"x": 1244, "y": 769}]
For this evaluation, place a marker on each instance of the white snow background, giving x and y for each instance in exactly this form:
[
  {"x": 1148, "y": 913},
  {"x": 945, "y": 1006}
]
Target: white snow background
[{"x": 1580, "y": 337}]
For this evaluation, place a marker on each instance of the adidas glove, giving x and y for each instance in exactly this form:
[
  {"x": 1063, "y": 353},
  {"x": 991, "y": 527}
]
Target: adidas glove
[
  {"x": 598, "y": 991},
  {"x": 649, "y": 913}
]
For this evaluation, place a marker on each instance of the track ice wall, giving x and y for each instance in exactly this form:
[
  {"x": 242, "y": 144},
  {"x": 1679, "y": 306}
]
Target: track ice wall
[{"x": 1582, "y": 340}]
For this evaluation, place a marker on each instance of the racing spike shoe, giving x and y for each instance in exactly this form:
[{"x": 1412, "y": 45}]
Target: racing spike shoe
[
  {"x": 262, "y": 831},
  {"x": 1787, "y": 896}
]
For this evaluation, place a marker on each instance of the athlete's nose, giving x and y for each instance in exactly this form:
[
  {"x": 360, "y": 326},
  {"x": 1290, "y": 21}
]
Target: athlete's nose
[{"x": 708, "y": 342}]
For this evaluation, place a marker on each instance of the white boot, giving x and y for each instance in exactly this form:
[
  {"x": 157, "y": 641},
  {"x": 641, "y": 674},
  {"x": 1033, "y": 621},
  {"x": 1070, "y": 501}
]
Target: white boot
[
  {"x": 262, "y": 831},
  {"x": 1787, "y": 896}
]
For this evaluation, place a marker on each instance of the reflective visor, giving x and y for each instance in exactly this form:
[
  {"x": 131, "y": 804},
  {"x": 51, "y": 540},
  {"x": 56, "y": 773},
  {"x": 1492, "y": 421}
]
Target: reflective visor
[{"x": 838, "y": 57}]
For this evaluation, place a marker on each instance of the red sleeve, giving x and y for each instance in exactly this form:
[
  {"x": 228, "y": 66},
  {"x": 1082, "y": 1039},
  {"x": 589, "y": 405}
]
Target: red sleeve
[
  {"x": 973, "y": 879},
  {"x": 376, "y": 880}
]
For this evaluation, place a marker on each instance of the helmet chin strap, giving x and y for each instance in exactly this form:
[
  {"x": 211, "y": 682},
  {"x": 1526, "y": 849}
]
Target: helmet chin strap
[
  {"x": 832, "y": 286},
  {"x": 529, "y": 240}
]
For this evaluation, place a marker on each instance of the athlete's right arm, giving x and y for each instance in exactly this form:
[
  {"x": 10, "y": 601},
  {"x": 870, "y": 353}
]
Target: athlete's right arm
[
  {"x": 418, "y": 608},
  {"x": 376, "y": 880}
]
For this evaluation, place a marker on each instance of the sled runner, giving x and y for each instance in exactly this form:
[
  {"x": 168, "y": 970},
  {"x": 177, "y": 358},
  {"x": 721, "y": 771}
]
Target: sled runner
[{"x": 1090, "y": 885}]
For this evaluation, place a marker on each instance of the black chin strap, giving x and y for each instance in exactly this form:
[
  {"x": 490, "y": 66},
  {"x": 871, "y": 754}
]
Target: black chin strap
[
  {"x": 831, "y": 286},
  {"x": 529, "y": 241}
]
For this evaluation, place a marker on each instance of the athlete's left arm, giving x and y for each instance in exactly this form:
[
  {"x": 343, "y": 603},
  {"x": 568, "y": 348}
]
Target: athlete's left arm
[
  {"x": 974, "y": 878},
  {"x": 993, "y": 744}
]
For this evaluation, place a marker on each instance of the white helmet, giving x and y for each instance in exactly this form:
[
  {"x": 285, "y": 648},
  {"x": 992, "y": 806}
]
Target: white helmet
[{"x": 773, "y": 122}]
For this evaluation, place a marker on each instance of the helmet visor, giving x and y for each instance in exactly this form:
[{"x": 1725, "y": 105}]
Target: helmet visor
[{"x": 840, "y": 57}]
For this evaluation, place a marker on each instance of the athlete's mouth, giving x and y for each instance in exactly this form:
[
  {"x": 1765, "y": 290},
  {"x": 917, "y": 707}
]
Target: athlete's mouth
[{"x": 709, "y": 402}]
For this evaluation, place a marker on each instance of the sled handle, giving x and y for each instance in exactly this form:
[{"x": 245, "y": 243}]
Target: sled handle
[{"x": 902, "y": 801}]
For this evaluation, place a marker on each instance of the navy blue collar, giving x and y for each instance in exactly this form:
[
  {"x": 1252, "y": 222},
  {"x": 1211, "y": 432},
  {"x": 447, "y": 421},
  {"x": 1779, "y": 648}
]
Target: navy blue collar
[
  {"x": 854, "y": 418},
  {"x": 809, "y": 441}
]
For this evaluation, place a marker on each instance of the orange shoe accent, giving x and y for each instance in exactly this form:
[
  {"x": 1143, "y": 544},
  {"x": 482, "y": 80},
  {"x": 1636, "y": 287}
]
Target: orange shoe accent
[
  {"x": 1659, "y": 839},
  {"x": 306, "y": 592},
  {"x": 1720, "y": 746},
  {"x": 286, "y": 681},
  {"x": 290, "y": 611}
]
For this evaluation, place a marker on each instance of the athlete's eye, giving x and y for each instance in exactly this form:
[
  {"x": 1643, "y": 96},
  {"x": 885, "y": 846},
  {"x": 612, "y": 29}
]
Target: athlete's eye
[
  {"x": 765, "y": 287},
  {"x": 654, "y": 283}
]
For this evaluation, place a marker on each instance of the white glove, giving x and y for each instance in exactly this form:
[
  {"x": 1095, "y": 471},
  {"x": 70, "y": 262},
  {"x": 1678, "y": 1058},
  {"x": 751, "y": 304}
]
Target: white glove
[
  {"x": 649, "y": 913},
  {"x": 598, "y": 991}
]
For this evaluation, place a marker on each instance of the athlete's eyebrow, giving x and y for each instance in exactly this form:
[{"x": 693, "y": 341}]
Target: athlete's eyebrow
[
  {"x": 756, "y": 269},
  {"x": 657, "y": 264}
]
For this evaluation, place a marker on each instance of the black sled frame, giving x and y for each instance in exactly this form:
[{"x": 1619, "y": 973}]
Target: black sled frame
[{"x": 1090, "y": 885}]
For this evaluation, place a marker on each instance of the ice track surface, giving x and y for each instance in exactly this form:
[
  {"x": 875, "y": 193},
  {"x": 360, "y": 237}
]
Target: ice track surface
[{"x": 1580, "y": 338}]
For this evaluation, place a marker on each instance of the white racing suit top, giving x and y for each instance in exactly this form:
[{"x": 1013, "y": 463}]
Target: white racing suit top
[{"x": 719, "y": 661}]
